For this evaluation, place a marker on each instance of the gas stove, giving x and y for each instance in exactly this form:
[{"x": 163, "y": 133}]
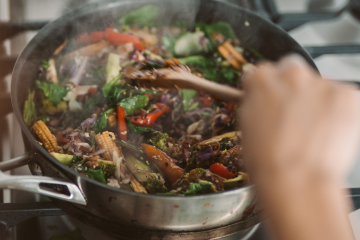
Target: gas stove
[{"x": 328, "y": 29}]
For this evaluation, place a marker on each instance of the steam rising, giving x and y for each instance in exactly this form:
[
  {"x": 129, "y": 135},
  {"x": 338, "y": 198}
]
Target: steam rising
[{"x": 104, "y": 13}]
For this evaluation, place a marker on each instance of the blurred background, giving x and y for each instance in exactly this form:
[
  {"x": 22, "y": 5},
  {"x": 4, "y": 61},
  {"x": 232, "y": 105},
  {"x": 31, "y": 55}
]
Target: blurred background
[{"x": 340, "y": 28}]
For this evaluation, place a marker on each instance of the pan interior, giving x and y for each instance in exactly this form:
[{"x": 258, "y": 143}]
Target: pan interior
[{"x": 252, "y": 31}]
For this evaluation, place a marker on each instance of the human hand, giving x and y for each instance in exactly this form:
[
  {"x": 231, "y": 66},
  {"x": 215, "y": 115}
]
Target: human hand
[{"x": 295, "y": 123}]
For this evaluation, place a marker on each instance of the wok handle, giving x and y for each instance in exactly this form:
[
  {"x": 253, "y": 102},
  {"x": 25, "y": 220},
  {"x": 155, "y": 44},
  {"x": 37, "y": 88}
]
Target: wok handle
[
  {"x": 16, "y": 162},
  {"x": 38, "y": 184}
]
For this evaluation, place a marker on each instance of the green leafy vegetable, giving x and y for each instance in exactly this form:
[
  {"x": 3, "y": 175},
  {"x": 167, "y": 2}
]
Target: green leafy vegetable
[
  {"x": 133, "y": 103},
  {"x": 145, "y": 16},
  {"x": 205, "y": 114},
  {"x": 90, "y": 104},
  {"x": 114, "y": 92},
  {"x": 92, "y": 141},
  {"x": 200, "y": 188},
  {"x": 53, "y": 91},
  {"x": 219, "y": 27},
  {"x": 96, "y": 174},
  {"x": 30, "y": 110},
  {"x": 152, "y": 56},
  {"x": 101, "y": 123},
  {"x": 169, "y": 43},
  {"x": 138, "y": 129},
  {"x": 148, "y": 108},
  {"x": 187, "y": 100},
  {"x": 204, "y": 65},
  {"x": 193, "y": 106},
  {"x": 222, "y": 27},
  {"x": 191, "y": 60},
  {"x": 45, "y": 64},
  {"x": 214, "y": 70},
  {"x": 76, "y": 160},
  {"x": 109, "y": 89}
]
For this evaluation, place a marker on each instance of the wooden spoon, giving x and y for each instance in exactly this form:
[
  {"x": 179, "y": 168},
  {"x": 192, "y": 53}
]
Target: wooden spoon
[{"x": 179, "y": 77}]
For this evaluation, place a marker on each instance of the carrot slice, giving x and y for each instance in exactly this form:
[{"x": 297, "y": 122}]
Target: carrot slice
[{"x": 165, "y": 163}]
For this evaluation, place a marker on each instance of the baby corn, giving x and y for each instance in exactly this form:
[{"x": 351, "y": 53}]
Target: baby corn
[
  {"x": 231, "y": 55},
  {"x": 135, "y": 184},
  {"x": 106, "y": 140},
  {"x": 43, "y": 132}
]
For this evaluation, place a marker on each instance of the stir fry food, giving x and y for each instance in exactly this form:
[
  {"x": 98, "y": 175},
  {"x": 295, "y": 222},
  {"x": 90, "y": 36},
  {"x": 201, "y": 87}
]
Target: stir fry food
[{"x": 155, "y": 141}]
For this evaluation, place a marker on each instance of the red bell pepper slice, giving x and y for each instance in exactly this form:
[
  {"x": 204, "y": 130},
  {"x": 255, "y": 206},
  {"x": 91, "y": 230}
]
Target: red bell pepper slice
[
  {"x": 231, "y": 106},
  {"x": 151, "y": 117},
  {"x": 119, "y": 38},
  {"x": 163, "y": 107},
  {"x": 93, "y": 37},
  {"x": 63, "y": 139},
  {"x": 111, "y": 36},
  {"x": 221, "y": 170},
  {"x": 206, "y": 100},
  {"x": 121, "y": 112}
]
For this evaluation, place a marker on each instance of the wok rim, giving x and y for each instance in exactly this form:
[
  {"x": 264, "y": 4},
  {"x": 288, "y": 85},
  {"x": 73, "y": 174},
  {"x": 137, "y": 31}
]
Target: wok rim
[{"x": 63, "y": 21}]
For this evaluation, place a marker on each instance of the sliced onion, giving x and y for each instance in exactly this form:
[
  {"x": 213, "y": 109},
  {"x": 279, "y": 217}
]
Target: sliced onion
[
  {"x": 79, "y": 73},
  {"x": 73, "y": 134},
  {"x": 74, "y": 145},
  {"x": 89, "y": 121},
  {"x": 113, "y": 183},
  {"x": 84, "y": 145},
  {"x": 98, "y": 152}
]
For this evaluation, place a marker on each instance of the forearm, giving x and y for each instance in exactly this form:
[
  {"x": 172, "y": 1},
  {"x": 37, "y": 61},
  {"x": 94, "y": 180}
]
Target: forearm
[
  {"x": 300, "y": 136},
  {"x": 300, "y": 207}
]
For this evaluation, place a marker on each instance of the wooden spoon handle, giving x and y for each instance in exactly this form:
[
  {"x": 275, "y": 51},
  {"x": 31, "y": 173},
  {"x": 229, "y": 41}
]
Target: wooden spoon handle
[
  {"x": 214, "y": 89},
  {"x": 181, "y": 78}
]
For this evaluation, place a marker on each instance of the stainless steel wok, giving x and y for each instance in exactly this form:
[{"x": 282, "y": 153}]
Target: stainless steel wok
[{"x": 120, "y": 212}]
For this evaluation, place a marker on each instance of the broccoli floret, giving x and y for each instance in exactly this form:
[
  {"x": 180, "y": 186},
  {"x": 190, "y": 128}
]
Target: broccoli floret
[
  {"x": 154, "y": 185},
  {"x": 107, "y": 167},
  {"x": 196, "y": 174},
  {"x": 159, "y": 141},
  {"x": 183, "y": 180},
  {"x": 202, "y": 187}
]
